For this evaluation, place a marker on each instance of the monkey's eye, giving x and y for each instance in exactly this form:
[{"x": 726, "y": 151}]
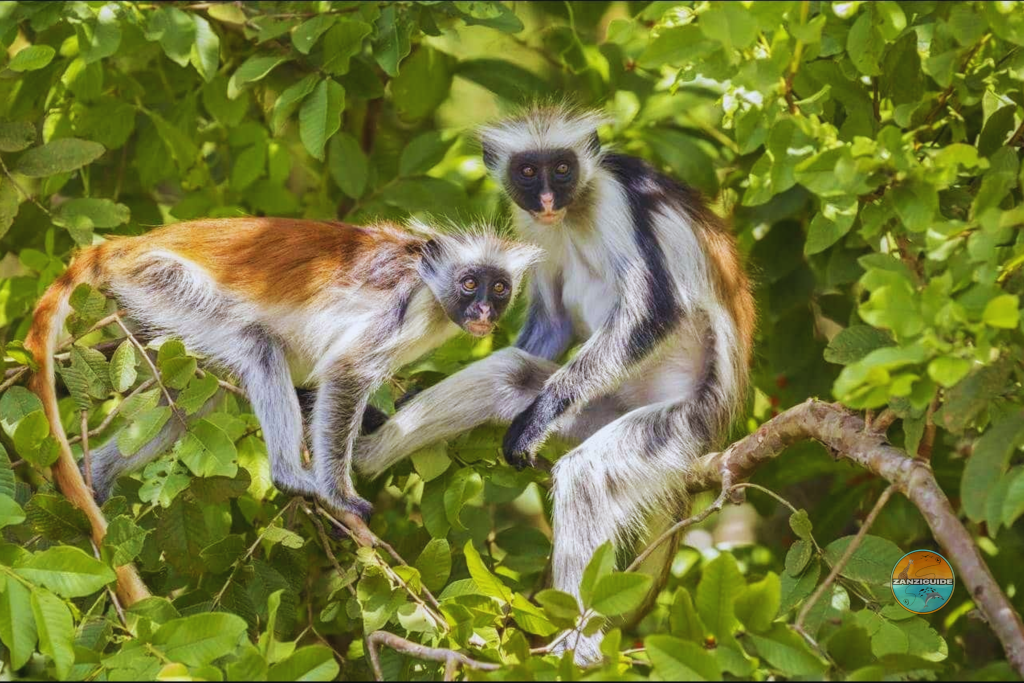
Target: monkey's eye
[
  {"x": 528, "y": 171},
  {"x": 469, "y": 284},
  {"x": 562, "y": 169},
  {"x": 500, "y": 288}
]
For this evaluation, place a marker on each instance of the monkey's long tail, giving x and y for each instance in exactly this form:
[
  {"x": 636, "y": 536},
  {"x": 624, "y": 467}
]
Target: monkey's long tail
[{"x": 47, "y": 323}]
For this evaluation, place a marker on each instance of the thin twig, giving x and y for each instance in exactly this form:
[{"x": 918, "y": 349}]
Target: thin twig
[
  {"x": 924, "y": 449},
  {"x": 433, "y": 654},
  {"x": 113, "y": 413},
  {"x": 325, "y": 540},
  {"x": 13, "y": 379},
  {"x": 20, "y": 189},
  {"x": 86, "y": 454},
  {"x": 392, "y": 574},
  {"x": 838, "y": 566},
  {"x": 227, "y": 386},
  {"x": 152, "y": 368},
  {"x": 110, "y": 591},
  {"x": 248, "y": 553},
  {"x": 883, "y": 421}
]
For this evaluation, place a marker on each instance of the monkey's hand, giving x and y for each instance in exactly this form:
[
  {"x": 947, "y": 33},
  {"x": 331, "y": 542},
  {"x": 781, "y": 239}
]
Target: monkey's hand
[{"x": 528, "y": 430}]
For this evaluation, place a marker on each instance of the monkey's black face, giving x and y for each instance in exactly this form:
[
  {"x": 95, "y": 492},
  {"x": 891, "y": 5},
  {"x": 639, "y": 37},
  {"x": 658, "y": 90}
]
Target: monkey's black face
[
  {"x": 483, "y": 292},
  {"x": 543, "y": 182}
]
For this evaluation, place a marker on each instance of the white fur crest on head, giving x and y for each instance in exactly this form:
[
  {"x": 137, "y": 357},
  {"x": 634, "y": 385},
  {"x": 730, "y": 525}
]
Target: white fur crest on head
[
  {"x": 477, "y": 244},
  {"x": 543, "y": 126}
]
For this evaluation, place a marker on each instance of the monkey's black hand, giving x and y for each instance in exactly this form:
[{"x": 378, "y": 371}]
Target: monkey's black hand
[
  {"x": 528, "y": 430},
  {"x": 373, "y": 419}
]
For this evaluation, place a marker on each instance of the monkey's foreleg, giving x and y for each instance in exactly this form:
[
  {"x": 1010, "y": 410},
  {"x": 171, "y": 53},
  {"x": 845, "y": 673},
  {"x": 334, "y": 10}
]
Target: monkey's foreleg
[
  {"x": 266, "y": 379},
  {"x": 340, "y": 403},
  {"x": 494, "y": 389}
]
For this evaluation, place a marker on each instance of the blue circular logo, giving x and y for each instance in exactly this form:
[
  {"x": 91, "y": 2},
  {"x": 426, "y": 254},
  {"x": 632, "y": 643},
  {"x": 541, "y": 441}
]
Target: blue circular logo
[{"x": 922, "y": 581}]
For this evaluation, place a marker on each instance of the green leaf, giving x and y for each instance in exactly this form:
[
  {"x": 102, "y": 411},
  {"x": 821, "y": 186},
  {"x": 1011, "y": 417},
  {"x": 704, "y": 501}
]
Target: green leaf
[
  {"x": 86, "y": 214},
  {"x": 347, "y": 164},
  {"x": 681, "y": 660},
  {"x": 200, "y": 638},
  {"x": 208, "y": 451},
  {"x": 800, "y": 523},
  {"x": 67, "y": 571},
  {"x": 872, "y": 561},
  {"x": 309, "y": 663},
  {"x": 392, "y": 43},
  {"x": 530, "y": 618},
  {"x": 989, "y": 462},
  {"x": 619, "y": 593},
  {"x": 253, "y": 69},
  {"x": 59, "y": 156},
  {"x": 463, "y": 486},
  {"x": 32, "y": 58},
  {"x": 677, "y": 45},
  {"x": 16, "y": 135},
  {"x": 1003, "y": 312},
  {"x": 504, "y": 79},
  {"x": 197, "y": 393},
  {"x": 601, "y": 564},
  {"x": 56, "y": 630},
  {"x": 178, "y": 372},
  {"x": 320, "y": 116},
  {"x": 865, "y": 44},
  {"x": 719, "y": 585},
  {"x": 306, "y": 34},
  {"x": 343, "y": 42},
  {"x": 488, "y": 583},
  {"x": 734, "y": 26},
  {"x": 947, "y": 370},
  {"x": 916, "y": 203},
  {"x": 220, "y": 556},
  {"x": 423, "y": 85},
  {"x": 205, "y": 51},
  {"x": 122, "y": 367},
  {"x": 142, "y": 429},
  {"x": 559, "y": 606},
  {"x": 10, "y": 512},
  {"x": 795, "y": 589},
  {"x": 17, "y": 623},
  {"x": 855, "y": 342},
  {"x": 176, "y": 32},
  {"x": 124, "y": 540},
  {"x": 798, "y": 556},
  {"x": 435, "y": 564},
  {"x": 55, "y": 518},
  {"x": 759, "y": 603},
  {"x": 683, "y": 619},
  {"x": 423, "y": 153},
  {"x": 289, "y": 100},
  {"x": 787, "y": 652},
  {"x": 431, "y": 462}
]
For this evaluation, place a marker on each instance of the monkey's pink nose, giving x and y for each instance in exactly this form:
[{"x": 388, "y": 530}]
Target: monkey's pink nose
[
  {"x": 485, "y": 312},
  {"x": 547, "y": 201}
]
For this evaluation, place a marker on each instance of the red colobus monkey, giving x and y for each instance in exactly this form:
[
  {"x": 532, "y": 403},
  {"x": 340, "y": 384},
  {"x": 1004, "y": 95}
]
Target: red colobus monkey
[
  {"x": 646, "y": 277},
  {"x": 331, "y": 305}
]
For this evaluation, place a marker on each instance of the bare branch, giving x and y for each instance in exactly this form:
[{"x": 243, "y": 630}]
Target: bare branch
[
  {"x": 86, "y": 454},
  {"x": 838, "y": 567},
  {"x": 433, "y": 654},
  {"x": 152, "y": 368}
]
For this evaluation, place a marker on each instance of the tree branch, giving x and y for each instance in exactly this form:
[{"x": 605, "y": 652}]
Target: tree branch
[
  {"x": 843, "y": 432},
  {"x": 434, "y": 654}
]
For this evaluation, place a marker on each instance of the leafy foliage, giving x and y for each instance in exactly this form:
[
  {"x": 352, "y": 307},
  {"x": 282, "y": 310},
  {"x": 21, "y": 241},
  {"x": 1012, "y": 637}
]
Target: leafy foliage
[{"x": 868, "y": 155}]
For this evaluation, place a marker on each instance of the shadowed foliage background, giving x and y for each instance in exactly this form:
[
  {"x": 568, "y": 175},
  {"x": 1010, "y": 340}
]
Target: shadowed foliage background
[{"x": 867, "y": 154}]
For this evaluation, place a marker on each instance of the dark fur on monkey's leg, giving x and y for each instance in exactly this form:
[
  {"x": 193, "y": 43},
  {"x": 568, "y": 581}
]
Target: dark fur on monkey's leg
[{"x": 373, "y": 418}]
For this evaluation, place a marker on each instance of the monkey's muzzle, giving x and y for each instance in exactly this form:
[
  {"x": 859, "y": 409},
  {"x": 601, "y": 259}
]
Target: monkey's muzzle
[
  {"x": 549, "y": 217},
  {"x": 479, "y": 328}
]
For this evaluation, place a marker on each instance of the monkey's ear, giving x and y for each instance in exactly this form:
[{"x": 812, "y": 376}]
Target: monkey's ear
[
  {"x": 521, "y": 257},
  {"x": 594, "y": 143},
  {"x": 490, "y": 155}
]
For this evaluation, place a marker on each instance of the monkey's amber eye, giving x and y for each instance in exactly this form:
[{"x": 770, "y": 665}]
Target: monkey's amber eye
[
  {"x": 562, "y": 169},
  {"x": 500, "y": 288},
  {"x": 528, "y": 171},
  {"x": 469, "y": 284}
]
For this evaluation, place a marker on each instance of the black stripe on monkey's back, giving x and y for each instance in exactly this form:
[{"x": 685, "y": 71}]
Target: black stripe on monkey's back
[{"x": 645, "y": 190}]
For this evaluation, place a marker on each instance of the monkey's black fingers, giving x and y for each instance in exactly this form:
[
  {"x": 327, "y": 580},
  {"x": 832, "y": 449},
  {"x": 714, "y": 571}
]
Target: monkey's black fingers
[
  {"x": 357, "y": 506},
  {"x": 407, "y": 396},
  {"x": 373, "y": 419}
]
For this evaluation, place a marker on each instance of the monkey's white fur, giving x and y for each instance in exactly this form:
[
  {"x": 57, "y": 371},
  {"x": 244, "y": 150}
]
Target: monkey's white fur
[{"x": 642, "y": 421}]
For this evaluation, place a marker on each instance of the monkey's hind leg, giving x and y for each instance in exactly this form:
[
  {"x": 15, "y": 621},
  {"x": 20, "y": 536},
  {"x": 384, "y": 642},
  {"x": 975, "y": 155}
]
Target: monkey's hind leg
[
  {"x": 607, "y": 488},
  {"x": 108, "y": 463}
]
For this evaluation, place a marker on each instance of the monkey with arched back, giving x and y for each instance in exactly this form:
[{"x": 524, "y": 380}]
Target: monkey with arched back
[
  {"x": 646, "y": 278},
  {"x": 335, "y": 306}
]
